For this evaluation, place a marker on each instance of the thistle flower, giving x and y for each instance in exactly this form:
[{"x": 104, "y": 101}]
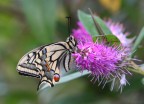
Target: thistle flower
[
  {"x": 119, "y": 31},
  {"x": 106, "y": 63}
]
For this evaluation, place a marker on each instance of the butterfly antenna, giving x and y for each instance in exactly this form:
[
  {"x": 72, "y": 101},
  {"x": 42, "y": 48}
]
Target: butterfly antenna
[
  {"x": 69, "y": 24},
  {"x": 98, "y": 28}
]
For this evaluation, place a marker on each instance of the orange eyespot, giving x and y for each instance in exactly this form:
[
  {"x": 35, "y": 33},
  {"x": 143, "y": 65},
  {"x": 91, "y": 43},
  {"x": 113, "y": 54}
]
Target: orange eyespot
[{"x": 56, "y": 77}]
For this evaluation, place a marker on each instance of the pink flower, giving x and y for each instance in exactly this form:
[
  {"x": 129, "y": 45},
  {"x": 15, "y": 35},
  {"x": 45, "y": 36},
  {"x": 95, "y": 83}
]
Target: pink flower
[
  {"x": 106, "y": 63},
  {"x": 103, "y": 61}
]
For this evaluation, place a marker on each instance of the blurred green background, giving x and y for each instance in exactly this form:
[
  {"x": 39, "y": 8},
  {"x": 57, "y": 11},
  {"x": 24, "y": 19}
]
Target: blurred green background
[{"x": 27, "y": 24}]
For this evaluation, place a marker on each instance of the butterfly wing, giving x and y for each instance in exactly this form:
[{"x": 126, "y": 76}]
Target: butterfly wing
[
  {"x": 26, "y": 64},
  {"x": 44, "y": 62}
]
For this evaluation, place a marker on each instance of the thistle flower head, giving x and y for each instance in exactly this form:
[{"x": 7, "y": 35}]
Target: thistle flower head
[
  {"x": 119, "y": 31},
  {"x": 103, "y": 61}
]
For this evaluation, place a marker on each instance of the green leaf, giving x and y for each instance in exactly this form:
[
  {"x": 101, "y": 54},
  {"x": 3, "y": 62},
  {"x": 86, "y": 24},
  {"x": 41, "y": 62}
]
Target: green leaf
[
  {"x": 88, "y": 23},
  {"x": 109, "y": 38},
  {"x": 138, "y": 40}
]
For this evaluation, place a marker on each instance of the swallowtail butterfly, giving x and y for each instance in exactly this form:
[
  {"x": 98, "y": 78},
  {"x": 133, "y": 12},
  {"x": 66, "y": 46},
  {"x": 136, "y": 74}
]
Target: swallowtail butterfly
[{"x": 44, "y": 62}]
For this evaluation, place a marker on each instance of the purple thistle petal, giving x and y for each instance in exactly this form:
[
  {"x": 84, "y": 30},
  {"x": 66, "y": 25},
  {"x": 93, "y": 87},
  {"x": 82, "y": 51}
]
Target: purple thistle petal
[
  {"x": 98, "y": 58},
  {"x": 81, "y": 35}
]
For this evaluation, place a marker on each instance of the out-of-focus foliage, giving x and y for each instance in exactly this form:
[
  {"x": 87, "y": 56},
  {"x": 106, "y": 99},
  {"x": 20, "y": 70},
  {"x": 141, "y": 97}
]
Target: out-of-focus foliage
[
  {"x": 27, "y": 24},
  {"x": 139, "y": 39},
  {"x": 111, "y": 5}
]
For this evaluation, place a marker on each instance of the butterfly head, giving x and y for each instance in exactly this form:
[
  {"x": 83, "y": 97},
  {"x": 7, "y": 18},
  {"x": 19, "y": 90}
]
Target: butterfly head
[{"x": 71, "y": 42}]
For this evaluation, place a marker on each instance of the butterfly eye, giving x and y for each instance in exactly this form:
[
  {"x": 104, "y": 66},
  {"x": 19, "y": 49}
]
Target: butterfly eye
[{"x": 56, "y": 77}]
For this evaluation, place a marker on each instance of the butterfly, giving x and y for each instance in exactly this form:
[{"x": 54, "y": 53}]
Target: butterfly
[{"x": 46, "y": 61}]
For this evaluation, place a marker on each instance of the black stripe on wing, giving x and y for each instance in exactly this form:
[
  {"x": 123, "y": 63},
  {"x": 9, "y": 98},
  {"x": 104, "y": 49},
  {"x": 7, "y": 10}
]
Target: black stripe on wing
[
  {"x": 28, "y": 71},
  {"x": 60, "y": 44},
  {"x": 66, "y": 61},
  {"x": 57, "y": 60},
  {"x": 29, "y": 74}
]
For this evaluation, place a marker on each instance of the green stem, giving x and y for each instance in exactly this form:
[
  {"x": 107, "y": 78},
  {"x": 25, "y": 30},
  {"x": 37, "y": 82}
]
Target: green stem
[
  {"x": 76, "y": 75},
  {"x": 73, "y": 76},
  {"x": 68, "y": 78}
]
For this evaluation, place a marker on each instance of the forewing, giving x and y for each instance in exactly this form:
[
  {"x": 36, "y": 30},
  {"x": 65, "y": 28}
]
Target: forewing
[
  {"x": 36, "y": 61},
  {"x": 44, "y": 62}
]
